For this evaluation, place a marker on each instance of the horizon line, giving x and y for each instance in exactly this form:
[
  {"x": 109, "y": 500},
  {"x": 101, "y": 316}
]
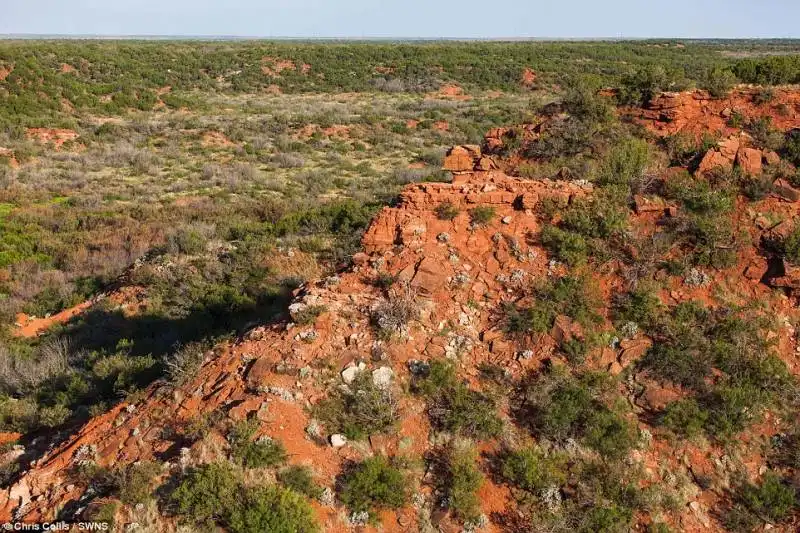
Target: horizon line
[{"x": 222, "y": 37}]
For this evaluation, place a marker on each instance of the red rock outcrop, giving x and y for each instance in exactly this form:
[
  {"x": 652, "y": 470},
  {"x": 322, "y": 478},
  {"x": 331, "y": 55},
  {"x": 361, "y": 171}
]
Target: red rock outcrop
[
  {"x": 447, "y": 263},
  {"x": 737, "y": 150},
  {"x": 5, "y": 71},
  {"x": 56, "y": 137},
  {"x": 696, "y": 113},
  {"x": 462, "y": 158},
  {"x": 749, "y": 160},
  {"x": 528, "y": 77}
]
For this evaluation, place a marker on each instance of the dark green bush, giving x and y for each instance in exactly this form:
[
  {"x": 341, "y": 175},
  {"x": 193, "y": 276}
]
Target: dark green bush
[
  {"x": 718, "y": 81},
  {"x": 705, "y": 227},
  {"x": 605, "y": 518},
  {"x": 772, "y": 501},
  {"x": 454, "y": 407},
  {"x": 791, "y": 246},
  {"x": 624, "y": 163},
  {"x": 786, "y": 449},
  {"x": 693, "y": 343},
  {"x": 566, "y": 246},
  {"x": 272, "y": 509},
  {"x": 791, "y": 147},
  {"x": 446, "y": 211},
  {"x": 309, "y": 314},
  {"x": 463, "y": 481},
  {"x": 299, "y": 479},
  {"x": 533, "y": 470},
  {"x": 572, "y": 296},
  {"x": 685, "y": 418},
  {"x": 360, "y": 410},
  {"x": 641, "y": 306},
  {"x": 481, "y": 216},
  {"x": 136, "y": 482},
  {"x": 254, "y": 454},
  {"x": 215, "y": 493},
  {"x": 641, "y": 86},
  {"x": 372, "y": 485},
  {"x": 208, "y": 492},
  {"x": 558, "y": 407},
  {"x": 601, "y": 217}
]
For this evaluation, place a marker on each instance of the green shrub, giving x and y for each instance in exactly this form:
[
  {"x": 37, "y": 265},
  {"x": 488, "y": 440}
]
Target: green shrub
[
  {"x": 764, "y": 134},
  {"x": 786, "y": 449},
  {"x": 446, "y": 211},
  {"x": 533, "y": 470},
  {"x": 261, "y": 453},
  {"x": 308, "y": 314},
  {"x": 454, "y": 407},
  {"x": 186, "y": 241},
  {"x": 685, "y": 418},
  {"x": 463, "y": 481},
  {"x": 791, "y": 246},
  {"x": 575, "y": 349},
  {"x": 558, "y": 406},
  {"x": 207, "y": 492},
  {"x": 572, "y": 296},
  {"x": 609, "y": 433},
  {"x": 698, "y": 195},
  {"x": 385, "y": 280},
  {"x": 624, "y": 163},
  {"x": 481, "y": 216},
  {"x": 641, "y": 306},
  {"x": 606, "y": 518},
  {"x": 694, "y": 343},
  {"x": 566, "y": 246},
  {"x": 772, "y": 501},
  {"x": 718, "y": 81},
  {"x": 733, "y": 407},
  {"x": 639, "y": 87},
  {"x": 583, "y": 101},
  {"x": 601, "y": 217},
  {"x": 136, "y": 482},
  {"x": 791, "y": 147},
  {"x": 102, "y": 512},
  {"x": 359, "y": 410},
  {"x": 704, "y": 225},
  {"x": 373, "y": 484},
  {"x": 299, "y": 479},
  {"x": 272, "y": 509}
]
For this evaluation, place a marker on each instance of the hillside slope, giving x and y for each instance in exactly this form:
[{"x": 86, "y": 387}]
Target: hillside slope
[{"x": 438, "y": 277}]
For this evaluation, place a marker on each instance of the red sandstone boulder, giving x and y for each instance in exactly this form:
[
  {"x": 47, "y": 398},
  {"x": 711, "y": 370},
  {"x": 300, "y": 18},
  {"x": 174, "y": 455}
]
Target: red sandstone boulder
[
  {"x": 729, "y": 148},
  {"x": 749, "y": 160},
  {"x": 714, "y": 159},
  {"x": 462, "y": 158}
]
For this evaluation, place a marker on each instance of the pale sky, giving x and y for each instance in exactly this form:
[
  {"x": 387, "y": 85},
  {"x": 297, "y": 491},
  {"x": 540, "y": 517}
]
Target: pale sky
[{"x": 406, "y": 18}]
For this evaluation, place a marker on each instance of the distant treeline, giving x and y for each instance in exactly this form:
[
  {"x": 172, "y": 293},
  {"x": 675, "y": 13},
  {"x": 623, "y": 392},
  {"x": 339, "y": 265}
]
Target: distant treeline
[{"x": 111, "y": 77}]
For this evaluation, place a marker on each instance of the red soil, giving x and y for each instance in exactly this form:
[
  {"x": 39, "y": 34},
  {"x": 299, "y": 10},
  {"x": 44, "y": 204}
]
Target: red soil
[
  {"x": 528, "y": 77},
  {"x": 56, "y": 137},
  {"x": 5, "y": 71},
  {"x": 31, "y": 326}
]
